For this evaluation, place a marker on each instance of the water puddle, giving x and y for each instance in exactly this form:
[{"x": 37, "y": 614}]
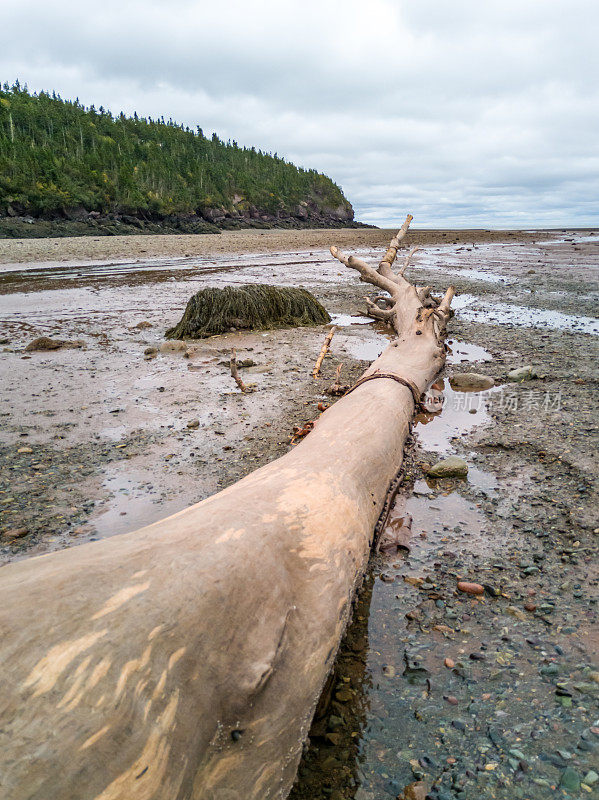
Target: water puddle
[
  {"x": 344, "y": 320},
  {"x": 473, "y": 309},
  {"x": 369, "y": 346},
  {"x": 466, "y": 352},
  {"x": 461, "y": 413},
  {"x": 133, "y": 502},
  {"x": 367, "y": 734}
]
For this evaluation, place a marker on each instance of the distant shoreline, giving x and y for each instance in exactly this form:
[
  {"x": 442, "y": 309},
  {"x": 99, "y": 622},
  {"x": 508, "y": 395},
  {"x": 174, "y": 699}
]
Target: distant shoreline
[{"x": 141, "y": 247}]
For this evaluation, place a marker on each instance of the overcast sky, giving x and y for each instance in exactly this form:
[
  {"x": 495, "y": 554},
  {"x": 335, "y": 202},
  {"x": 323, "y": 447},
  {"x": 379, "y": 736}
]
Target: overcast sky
[{"x": 468, "y": 113}]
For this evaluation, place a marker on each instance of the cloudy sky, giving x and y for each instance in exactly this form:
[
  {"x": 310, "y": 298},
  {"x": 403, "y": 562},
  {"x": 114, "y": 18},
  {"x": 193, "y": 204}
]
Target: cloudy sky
[{"x": 468, "y": 113}]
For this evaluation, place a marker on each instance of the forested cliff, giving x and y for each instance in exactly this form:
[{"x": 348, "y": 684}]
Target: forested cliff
[{"x": 61, "y": 161}]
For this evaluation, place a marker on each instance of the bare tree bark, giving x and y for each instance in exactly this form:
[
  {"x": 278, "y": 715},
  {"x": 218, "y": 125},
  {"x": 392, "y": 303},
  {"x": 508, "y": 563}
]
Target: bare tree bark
[{"x": 184, "y": 661}]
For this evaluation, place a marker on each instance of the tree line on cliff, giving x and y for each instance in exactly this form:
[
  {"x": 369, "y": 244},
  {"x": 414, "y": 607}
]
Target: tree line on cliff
[{"x": 57, "y": 155}]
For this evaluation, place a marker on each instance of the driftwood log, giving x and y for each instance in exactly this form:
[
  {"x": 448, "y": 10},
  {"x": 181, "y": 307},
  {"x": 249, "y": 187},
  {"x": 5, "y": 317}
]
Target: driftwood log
[{"x": 185, "y": 660}]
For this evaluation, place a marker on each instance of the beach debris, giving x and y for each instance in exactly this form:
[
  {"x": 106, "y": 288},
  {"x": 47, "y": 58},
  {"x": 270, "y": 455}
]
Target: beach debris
[
  {"x": 299, "y": 431},
  {"x": 323, "y": 351},
  {"x": 337, "y": 389},
  {"x": 245, "y": 388}
]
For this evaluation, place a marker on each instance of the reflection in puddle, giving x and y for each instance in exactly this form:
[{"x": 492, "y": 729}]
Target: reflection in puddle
[
  {"x": 369, "y": 347},
  {"x": 367, "y": 735},
  {"x": 343, "y": 320},
  {"x": 461, "y": 352},
  {"x": 133, "y": 503},
  {"x": 472, "y": 309},
  {"x": 462, "y": 412}
]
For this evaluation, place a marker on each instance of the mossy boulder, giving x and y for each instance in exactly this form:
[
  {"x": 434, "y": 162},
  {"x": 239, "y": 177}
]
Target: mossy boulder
[{"x": 252, "y": 307}]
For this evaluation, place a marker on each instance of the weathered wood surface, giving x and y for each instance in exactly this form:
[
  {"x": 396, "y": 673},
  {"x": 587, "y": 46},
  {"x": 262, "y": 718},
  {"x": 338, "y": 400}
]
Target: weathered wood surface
[{"x": 185, "y": 660}]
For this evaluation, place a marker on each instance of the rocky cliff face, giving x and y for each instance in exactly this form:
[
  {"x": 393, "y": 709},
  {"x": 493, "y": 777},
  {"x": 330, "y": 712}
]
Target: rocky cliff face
[{"x": 80, "y": 222}]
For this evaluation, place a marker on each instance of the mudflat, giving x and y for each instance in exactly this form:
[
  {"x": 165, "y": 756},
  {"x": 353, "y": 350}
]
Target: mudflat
[
  {"x": 243, "y": 241},
  {"x": 101, "y": 439}
]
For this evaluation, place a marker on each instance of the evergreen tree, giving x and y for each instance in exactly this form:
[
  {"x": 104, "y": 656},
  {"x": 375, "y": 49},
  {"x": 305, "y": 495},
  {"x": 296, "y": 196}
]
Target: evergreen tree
[{"x": 57, "y": 155}]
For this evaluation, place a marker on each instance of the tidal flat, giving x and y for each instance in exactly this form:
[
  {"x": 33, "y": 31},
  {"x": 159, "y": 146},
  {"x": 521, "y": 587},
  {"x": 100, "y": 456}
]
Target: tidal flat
[{"x": 105, "y": 438}]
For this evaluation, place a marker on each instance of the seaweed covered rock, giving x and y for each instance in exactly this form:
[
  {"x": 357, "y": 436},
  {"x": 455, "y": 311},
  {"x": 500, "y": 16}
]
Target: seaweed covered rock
[{"x": 251, "y": 307}]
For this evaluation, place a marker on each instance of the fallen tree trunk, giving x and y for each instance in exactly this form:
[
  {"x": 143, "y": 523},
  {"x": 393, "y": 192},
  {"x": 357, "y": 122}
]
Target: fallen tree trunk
[{"x": 185, "y": 660}]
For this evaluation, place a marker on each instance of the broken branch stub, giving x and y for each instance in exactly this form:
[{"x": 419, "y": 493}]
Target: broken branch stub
[
  {"x": 184, "y": 661},
  {"x": 235, "y": 374}
]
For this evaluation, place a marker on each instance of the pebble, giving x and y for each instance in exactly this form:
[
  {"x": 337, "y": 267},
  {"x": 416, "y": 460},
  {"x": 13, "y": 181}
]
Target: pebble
[
  {"x": 526, "y": 373},
  {"x": 15, "y": 533},
  {"x": 448, "y": 468},
  {"x": 173, "y": 347},
  {"x": 570, "y": 780},
  {"x": 591, "y": 778},
  {"x": 470, "y": 588},
  {"x": 449, "y": 663},
  {"x": 471, "y": 381}
]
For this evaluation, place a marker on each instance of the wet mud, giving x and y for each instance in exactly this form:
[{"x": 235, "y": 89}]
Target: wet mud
[{"x": 102, "y": 440}]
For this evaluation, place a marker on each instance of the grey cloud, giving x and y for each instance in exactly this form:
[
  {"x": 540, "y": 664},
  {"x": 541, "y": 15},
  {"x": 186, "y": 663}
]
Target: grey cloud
[{"x": 465, "y": 113}]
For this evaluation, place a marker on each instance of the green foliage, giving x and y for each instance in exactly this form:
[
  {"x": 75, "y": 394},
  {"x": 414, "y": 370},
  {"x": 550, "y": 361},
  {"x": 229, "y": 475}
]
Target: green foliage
[
  {"x": 57, "y": 155},
  {"x": 253, "y": 307}
]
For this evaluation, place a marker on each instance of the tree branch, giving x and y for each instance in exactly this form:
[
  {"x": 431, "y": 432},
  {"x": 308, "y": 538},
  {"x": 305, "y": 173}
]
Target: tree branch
[
  {"x": 407, "y": 260},
  {"x": 389, "y": 257}
]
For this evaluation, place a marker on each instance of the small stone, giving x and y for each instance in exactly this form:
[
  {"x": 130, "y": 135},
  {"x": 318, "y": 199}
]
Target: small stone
[
  {"x": 448, "y": 468},
  {"x": 143, "y": 324},
  {"x": 15, "y": 533},
  {"x": 173, "y": 347},
  {"x": 193, "y": 424},
  {"x": 25, "y": 450},
  {"x": 591, "y": 778},
  {"x": 449, "y": 663},
  {"x": 493, "y": 591},
  {"x": 526, "y": 373},
  {"x": 471, "y": 382},
  {"x": 570, "y": 780},
  {"x": 150, "y": 351},
  {"x": 470, "y": 588},
  {"x": 415, "y": 791},
  {"x": 530, "y": 607},
  {"x": 516, "y": 612},
  {"x": 549, "y": 669},
  {"x": 44, "y": 343}
]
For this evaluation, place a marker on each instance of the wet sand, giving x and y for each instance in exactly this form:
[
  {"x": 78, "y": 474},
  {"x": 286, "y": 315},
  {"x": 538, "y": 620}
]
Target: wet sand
[{"x": 88, "y": 248}]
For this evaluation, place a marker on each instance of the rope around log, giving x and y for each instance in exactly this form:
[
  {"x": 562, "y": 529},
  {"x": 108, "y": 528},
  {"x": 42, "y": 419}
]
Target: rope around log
[{"x": 404, "y": 382}]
